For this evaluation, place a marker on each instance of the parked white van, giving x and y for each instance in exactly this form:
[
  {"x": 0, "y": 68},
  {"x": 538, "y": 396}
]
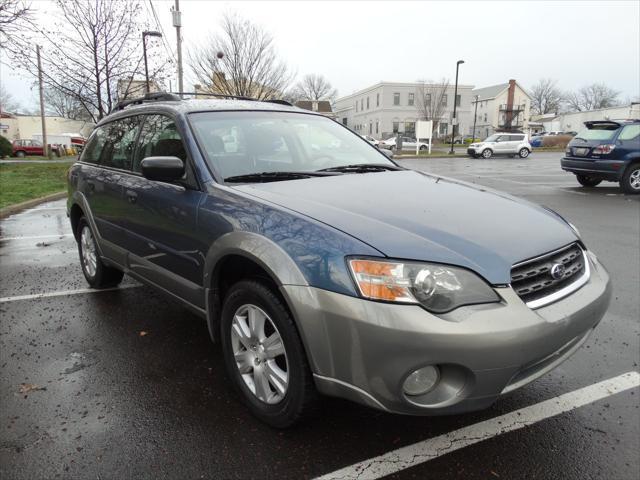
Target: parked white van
[{"x": 511, "y": 144}]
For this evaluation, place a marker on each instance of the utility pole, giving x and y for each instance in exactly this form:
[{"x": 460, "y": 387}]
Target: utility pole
[
  {"x": 455, "y": 103},
  {"x": 45, "y": 147},
  {"x": 475, "y": 116},
  {"x": 177, "y": 22}
]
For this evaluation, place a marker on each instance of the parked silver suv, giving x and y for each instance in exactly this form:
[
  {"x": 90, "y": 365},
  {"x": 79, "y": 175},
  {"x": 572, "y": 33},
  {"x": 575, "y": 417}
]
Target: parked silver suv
[{"x": 511, "y": 144}]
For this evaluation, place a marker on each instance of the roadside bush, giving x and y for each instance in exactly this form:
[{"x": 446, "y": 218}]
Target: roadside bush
[
  {"x": 5, "y": 147},
  {"x": 559, "y": 141}
]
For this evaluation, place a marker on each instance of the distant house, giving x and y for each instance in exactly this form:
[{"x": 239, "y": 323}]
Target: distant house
[
  {"x": 129, "y": 88},
  {"x": 574, "y": 121},
  {"x": 221, "y": 85},
  {"x": 501, "y": 108},
  {"x": 320, "y": 106},
  {"x": 14, "y": 127}
]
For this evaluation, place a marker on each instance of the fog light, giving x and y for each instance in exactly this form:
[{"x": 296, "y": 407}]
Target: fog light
[{"x": 421, "y": 381}]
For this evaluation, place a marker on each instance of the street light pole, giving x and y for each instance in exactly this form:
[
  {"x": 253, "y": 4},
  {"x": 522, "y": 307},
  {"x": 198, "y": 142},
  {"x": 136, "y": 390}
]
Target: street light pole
[
  {"x": 177, "y": 22},
  {"x": 455, "y": 102},
  {"x": 475, "y": 116},
  {"x": 144, "y": 51}
]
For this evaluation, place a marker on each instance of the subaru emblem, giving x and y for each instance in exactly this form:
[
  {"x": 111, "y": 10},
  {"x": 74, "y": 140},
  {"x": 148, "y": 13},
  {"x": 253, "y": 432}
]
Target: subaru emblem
[{"x": 557, "y": 271}]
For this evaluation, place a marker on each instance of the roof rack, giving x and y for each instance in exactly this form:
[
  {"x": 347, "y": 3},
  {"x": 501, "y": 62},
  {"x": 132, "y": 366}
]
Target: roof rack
[
  {"x": 234, "y": 97},
  {"x": 148, "y": 97}
]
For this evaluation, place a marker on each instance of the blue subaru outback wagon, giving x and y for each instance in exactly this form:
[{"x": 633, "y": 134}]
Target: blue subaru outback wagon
[{"x": 323, "y": 267}]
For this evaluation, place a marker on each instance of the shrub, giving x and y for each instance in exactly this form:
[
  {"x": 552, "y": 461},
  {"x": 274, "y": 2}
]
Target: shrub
[
  {"x": 5, "y": 147},
  {"x": 556, "y": 140}
]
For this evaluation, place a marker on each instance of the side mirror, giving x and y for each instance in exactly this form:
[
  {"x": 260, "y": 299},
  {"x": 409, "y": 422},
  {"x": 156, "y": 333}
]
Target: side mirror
[
  {"x": 387, "y": 153},
  {"x": 162, "y": 169}
]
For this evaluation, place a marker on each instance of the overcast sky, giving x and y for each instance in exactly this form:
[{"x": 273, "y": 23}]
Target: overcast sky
[{"x": 356, "y": 44}]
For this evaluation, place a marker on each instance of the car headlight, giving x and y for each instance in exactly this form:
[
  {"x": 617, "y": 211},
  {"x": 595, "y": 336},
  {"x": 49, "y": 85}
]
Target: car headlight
[{"x": 438, "y": 288}]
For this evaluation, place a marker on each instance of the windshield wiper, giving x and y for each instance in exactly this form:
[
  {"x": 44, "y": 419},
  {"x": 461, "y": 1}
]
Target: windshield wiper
[
  {"x": 273, "y": 176},
  {"x": 362, "y": 168}
]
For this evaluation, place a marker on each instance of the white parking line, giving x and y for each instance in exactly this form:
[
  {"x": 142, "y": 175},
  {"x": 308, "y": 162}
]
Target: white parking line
[
  {"x": 421, "y": 452},
  {"x": 63, "y": 293},
  {"x": 33, "y": 237}
]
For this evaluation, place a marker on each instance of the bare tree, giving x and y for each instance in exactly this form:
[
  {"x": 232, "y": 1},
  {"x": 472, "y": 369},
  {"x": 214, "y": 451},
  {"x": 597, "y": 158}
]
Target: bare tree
[
  {"x": 314, "y": 87},
  {"x": 545, "y": 97},
  {"x": 7, "y": 102},
  {"x": 592, "y": 97},
  {"x": 94, "y": 45},
  {"x": 14, "y": 15},
  {"x": 64, "y": 105},
  {"x": 241, "y": 60},
  {"x": 431, "y": 102}
]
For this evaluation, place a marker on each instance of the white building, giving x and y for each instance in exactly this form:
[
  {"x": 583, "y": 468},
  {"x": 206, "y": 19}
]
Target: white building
[
  {"x": 503, "y": 107},
  {"x": 391, "y": 107},
  {"x": 574, "y": 122},
  {"x": 15, "y": 127}
]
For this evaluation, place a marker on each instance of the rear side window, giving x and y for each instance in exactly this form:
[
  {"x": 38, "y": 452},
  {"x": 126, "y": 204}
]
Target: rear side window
[
  {"x": 517, "y": 138},
  {"x": 630, "y": 132},
  {"x": 120, "y": 143},
  {"x": 95, "y": 145},
  {"x": 159, "y": 138}
]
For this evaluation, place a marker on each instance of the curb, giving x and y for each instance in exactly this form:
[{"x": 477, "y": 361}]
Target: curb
[{"x": 18, "y": 207}]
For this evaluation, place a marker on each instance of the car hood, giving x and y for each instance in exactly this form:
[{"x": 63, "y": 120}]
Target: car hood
[{"x": 412, "y": 215}]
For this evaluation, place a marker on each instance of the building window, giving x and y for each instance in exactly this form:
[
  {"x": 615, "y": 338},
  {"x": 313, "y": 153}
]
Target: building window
[
  {"x": 458, "y": 98},
  {"x": 361, "y": 104},
  {"x": 370, "y": 128},
  {"x": 444, "y": 100},
  {"x": 443, "y": 128},
  {"x": 377, "y": 125},
  {"x": 411, "y": 99},
  {"x": 410, "y": 128},
  {"x": 356, "y": 107},
  {"x": 396, "y": 127},
  {"x": 367, "y": 103},
  {"x": 485, "y": 117},
  {"x": 427, "y": 99},
  {"x": 344, "y": 120},
  {"x": 377, "y": 99},
  {"x": 396, "y": 98}
]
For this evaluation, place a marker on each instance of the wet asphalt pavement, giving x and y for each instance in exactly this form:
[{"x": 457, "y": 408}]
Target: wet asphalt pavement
[{"x": 126, "y": 384}]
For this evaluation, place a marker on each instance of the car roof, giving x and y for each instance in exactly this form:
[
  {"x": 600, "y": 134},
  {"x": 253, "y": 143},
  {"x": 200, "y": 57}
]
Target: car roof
[{"x": 173, "y": 103}]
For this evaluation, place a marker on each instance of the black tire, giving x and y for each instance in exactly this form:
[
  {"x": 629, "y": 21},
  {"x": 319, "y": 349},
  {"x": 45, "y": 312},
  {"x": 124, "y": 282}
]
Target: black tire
[
  {"x": 588, "y": 182},
  {"x": 423, "y": 147},
  {"x": 100, "y": 275},
  {"x": 487, "y": 153},
  {"x": 301, "y": 399},
  {"x": 524, "y": 153},
  {"x": 630, "y": 181},
  {"x": 21, "y": 154}
]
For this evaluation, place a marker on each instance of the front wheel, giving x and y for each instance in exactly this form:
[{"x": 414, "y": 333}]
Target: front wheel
[
  {"x": 630, "y": 181},
  {"x": 588, "y": 181},
  {"x": 264, "y": 356},
  {"x": 97, "y": 274},
  {"x": 524, "y": 152},
  {"x": 21, "y": 154},
  {"x": 486, "y": 153},
  {"x": 423, "y": 147}
]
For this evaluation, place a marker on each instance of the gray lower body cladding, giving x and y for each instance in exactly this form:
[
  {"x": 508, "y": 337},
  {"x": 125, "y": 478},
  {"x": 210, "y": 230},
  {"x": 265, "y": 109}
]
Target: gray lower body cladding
[{"x": 363, "y": 350}]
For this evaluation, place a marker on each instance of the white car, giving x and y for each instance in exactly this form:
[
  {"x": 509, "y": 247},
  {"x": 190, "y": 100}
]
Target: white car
[
  {"x": 371, "y": 140},
  {"x": 511, "y": 144},
  {"x": 408, "y": 143}
]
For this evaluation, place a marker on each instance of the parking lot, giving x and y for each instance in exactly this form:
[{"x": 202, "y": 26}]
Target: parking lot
[{"x": 126, "y": 384}]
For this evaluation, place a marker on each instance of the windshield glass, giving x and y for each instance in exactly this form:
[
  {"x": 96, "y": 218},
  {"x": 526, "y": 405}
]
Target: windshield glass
[
  {"x": 492, "y": 138},
  {"x": 241, "y": 143},
  {"x": 603, "y": 133}
]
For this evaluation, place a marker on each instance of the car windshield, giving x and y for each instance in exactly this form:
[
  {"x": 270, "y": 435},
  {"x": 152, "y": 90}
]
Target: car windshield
[
  {"x": 254, "y": 142},
  {"x": 598, "y": 133},
  {"x": 492, "y": 138}
]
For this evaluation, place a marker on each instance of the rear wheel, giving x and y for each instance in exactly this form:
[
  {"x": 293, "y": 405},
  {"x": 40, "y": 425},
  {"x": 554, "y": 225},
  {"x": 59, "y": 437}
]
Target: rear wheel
[
  {"x": 264, "y": 356},
  {"x": 588, "y": 181},
  {"x": 487, "y": 153},
  {"x": 97, "y": 274},
  {"x": 630, "y": 181},
  {"x": 21, "y": 154},
  {"x": 524, "y": 152},
  {"x": 423, "y": 147}
]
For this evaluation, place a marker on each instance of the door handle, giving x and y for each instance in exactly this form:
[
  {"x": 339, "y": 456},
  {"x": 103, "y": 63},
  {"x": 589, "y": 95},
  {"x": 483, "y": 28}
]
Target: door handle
[{"x": 132, "y": 197}]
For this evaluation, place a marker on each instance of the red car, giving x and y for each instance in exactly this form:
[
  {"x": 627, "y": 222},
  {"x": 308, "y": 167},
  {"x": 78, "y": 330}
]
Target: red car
[{"x": 22, "y": 148}]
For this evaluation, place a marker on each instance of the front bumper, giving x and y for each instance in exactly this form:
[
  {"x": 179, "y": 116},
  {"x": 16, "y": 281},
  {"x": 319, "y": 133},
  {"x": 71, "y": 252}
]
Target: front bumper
[
  {"x": 605, "y": 169},
  {"x": 472, "y": 151},
  {"x": 363, "y": 350}
]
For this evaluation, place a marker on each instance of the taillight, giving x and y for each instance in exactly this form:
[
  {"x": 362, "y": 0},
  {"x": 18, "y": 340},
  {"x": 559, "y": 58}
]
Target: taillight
[{"x": 603, "y": 149}]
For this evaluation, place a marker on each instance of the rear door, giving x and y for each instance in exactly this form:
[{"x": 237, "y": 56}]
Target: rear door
[
  {"x": 514, "y": 142},
  {"x": 161, "y": 218}
]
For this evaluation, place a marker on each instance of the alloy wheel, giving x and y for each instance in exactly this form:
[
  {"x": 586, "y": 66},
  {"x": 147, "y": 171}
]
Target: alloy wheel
[
  {"x": 634, "y": 179},
  {"x": 88, "y": 246},
  {"x": 259, "y": 354}
]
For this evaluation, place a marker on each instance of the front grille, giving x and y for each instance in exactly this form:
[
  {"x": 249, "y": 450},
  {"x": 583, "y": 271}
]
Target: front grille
[{"x": 536, "y": 279}]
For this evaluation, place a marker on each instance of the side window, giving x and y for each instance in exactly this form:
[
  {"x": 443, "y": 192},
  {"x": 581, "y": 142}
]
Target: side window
[
  {"x": 630, "y": 132},
  {"x": 120, "y": 143},
  {"x": 95, "y": 145},
  {"x": 159, "y": 138}
]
